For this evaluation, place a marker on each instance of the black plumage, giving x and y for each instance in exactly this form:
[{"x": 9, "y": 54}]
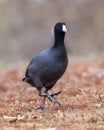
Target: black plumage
[{"x": 46, "y": 68}]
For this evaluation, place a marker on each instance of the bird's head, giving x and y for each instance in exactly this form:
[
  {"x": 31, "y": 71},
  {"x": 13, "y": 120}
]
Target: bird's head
[{"x": 60, "y": 27}]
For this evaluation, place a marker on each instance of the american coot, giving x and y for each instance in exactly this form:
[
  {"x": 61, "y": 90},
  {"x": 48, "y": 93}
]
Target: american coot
[{"x": 46, "y": 68}]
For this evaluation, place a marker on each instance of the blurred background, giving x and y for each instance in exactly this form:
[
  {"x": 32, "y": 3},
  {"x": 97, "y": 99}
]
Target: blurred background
[{"x": 25, "y": 27}]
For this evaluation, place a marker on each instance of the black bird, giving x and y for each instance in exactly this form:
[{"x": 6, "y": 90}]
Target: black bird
[{"x": 46, "y": 68}]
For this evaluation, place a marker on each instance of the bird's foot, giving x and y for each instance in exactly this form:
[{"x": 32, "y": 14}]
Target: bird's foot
[{"x": 52, "y": 98}]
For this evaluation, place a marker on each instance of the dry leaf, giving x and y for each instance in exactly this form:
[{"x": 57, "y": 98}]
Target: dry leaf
[
  {"x": 10, "y": 118},
  {"x": 20, "y": 118},
  {"x": 60, "y": 114}
]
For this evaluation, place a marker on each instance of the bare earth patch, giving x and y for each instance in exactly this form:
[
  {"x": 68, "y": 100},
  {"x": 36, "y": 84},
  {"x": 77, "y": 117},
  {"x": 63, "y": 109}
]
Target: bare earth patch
[{"x": 82, "y": 100}]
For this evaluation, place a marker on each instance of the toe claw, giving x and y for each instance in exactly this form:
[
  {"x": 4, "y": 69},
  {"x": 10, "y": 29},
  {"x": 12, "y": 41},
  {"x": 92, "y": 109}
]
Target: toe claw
[{"x": 40, "y": 107}]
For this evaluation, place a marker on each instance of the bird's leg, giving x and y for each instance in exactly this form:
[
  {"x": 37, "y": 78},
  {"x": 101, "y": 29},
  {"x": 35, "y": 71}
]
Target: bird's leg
[
  {"x": 42, "y": 94},
  {"x": 50, "y": 97},
  {"x": 43, "y": 104}
]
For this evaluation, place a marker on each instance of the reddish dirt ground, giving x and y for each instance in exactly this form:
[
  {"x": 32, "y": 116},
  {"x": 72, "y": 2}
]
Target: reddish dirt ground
[{"x": 82, "y": 100}]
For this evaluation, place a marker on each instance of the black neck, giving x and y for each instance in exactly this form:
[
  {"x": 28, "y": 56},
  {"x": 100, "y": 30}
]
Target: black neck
[{"x": 59, "y": 38}]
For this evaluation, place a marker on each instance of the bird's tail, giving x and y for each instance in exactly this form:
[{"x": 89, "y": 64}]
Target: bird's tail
[{"x": 26, "y": 79}]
